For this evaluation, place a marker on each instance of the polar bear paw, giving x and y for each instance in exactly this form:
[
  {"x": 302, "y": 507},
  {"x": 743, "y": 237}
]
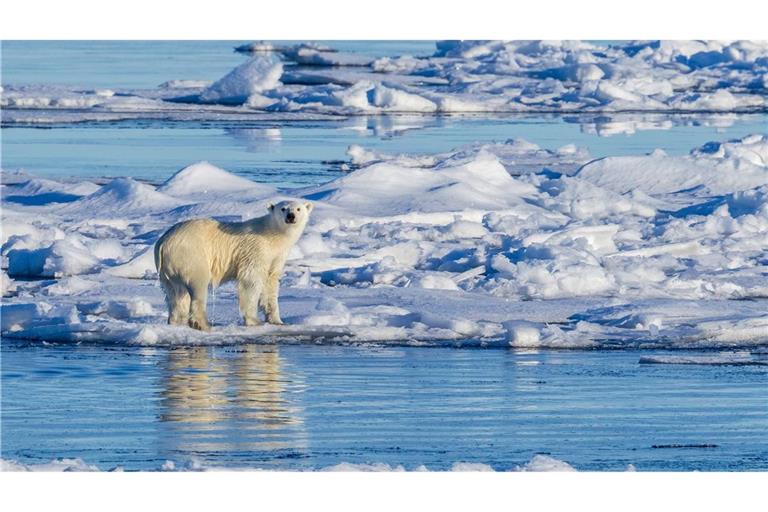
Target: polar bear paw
[
  {"x": 252, "y": 322},
  {"x": 200, "y": 324}
]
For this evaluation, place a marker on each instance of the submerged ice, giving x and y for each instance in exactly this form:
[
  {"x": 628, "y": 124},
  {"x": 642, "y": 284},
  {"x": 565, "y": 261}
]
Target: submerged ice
[{"x": 500, "y": 244}]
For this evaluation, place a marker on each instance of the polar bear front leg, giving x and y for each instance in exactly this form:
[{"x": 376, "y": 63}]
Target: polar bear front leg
[
  {"x": 248, "y": 292},
  {"x": 198, "y": 317},
  {"x": 269, "y": 299}
]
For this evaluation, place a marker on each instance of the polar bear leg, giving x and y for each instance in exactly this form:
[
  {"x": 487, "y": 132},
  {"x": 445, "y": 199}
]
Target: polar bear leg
[
  {"x": 269, "y": 299},
  {"x": 198, "y": 317},
  {"x": 177, "y": 299},
  {"x": 248, "y": 292}
]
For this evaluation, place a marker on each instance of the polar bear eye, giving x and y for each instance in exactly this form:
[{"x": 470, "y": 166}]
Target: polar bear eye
[
  {"x": 298, "y": 209},
  {"x": 283, "y": 208}
]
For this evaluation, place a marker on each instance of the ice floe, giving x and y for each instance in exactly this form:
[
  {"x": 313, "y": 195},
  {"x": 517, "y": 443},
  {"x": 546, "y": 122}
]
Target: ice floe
[
  {"x": 498, "y": 244},
  {"x": 460, "y": 77}
]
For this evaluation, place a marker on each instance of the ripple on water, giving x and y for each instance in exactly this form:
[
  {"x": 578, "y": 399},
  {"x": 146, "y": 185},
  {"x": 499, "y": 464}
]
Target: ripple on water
[{"x": 302, "y": 407}]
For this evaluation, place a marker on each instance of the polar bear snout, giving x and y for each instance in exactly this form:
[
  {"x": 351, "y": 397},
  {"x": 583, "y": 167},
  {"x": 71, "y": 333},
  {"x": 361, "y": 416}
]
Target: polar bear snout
[{"x": 290, "y": 218}]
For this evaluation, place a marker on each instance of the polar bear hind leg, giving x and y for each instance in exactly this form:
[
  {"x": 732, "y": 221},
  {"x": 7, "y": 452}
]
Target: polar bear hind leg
[
  {"x": 198, "y": 317},
  {"x": 178, "y": 301}
]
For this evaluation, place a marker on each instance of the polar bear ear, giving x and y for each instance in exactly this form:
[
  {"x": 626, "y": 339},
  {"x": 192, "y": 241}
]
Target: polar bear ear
[
  {"x": 271, "y": 207},
  {"x": 309, "y": 206}
]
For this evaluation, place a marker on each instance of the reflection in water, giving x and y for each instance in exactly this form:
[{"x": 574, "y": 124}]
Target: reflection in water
[
  {"x": 231, "y": 400},
  {"x": 601, "y": 125},
  {"x": 607, "y": 125},
  {"x": 194, "y": 388},
  {"x": 257, "y": 140},
  {"x": 259, "y": 388},
  {"x": 387, "y": 126}
]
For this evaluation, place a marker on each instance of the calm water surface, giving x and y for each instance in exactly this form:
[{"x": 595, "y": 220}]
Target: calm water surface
[
  {"x": 300, "y": 153},
  {"x": 147, "y": 64},
  {"x": 304, "y": 407}
]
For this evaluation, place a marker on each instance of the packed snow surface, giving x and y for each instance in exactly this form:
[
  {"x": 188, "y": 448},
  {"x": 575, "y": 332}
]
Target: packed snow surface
[
  {"x": 499, "y": 244},
  {"x": 461, "y": 76}
]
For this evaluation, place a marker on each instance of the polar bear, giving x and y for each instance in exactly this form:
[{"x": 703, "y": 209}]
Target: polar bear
[{"x": 201, "y": 252}]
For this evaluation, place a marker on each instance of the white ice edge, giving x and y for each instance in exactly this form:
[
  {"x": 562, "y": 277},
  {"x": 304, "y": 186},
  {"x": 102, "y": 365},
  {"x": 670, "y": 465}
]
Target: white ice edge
[{"x": 538, "y": 463}]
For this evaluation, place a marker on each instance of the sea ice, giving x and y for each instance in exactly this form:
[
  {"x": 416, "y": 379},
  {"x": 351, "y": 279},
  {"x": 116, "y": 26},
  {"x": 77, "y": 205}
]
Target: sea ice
[
  {"x": 537, "y": 463},
  {"x": 485, "y": 245},
  {"x": 465, "y": 76}
]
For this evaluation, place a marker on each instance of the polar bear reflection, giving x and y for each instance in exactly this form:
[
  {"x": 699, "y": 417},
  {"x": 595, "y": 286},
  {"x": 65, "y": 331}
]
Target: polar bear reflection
[{"x": 233, "y": 399}]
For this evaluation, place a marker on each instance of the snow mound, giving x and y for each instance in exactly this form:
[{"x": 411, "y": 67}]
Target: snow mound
[
  {"x": 124, "y": 196},
  {"x": 62, "y": 258},
  {"x": 546, "y": 463},
  {"x": 714, "y": 168},
  {"x": 39, "y": 186},
  {"x": 203, "y": 178},
  {"x": 254, "y": 77},
  {"x": 481, "y": 183}
]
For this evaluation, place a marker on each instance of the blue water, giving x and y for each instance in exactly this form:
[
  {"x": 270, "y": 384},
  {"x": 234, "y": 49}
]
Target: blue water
[
  {"x": 303, "y": 153},
  {"x": 147, "y": 64},
  {"x": 308, "y": 407}
]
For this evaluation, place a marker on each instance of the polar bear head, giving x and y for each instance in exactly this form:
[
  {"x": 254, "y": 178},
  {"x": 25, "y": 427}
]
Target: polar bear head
[{"x": 290, "y": 214}]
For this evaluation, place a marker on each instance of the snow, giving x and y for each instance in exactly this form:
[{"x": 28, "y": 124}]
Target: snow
[
  {"x": 471, "y": 467},
  {"x": 7, "y": 286},
  {"x": 537, "y": 463},
  {"x": 319, "y": 56},
  {"x": 256, "y": 76},
  {"x": 715, "y": 168},
  {"x": 203, "y": 178},
  {"x": 498, "y": 244},
  {"x": 62, "y": 258},
  {"x": 541, "y": 463},
  {"x": 52, "y": 466},
  {"x": 461, "y": 76},
  {"x": 124, "y": 195}
]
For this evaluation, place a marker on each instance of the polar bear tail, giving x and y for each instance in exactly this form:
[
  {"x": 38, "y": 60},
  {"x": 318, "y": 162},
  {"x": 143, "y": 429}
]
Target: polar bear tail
[{"x": 159, "y": 259}]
